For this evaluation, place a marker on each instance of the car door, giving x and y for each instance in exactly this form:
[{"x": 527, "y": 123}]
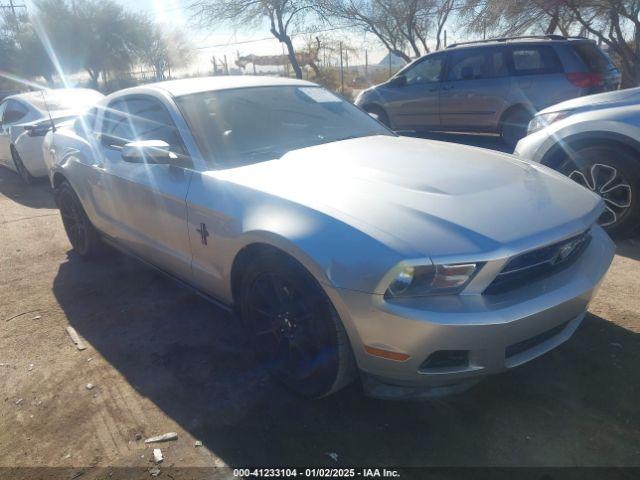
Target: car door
[
  {"x": 538, "y": 76},
  {"x": 144, "y": 205},
  {"x": 413, "y": 101},
  {"x": 13, "y": 113},
  {"x": 476, "y": 89}
]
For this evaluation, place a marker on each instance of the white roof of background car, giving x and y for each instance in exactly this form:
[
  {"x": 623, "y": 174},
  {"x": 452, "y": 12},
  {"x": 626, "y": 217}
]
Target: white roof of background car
[
  {"x": 29, "y": 97},
  {"x": 205, "y": 84}
]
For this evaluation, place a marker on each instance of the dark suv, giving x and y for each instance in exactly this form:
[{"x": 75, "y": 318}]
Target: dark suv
[{"x": 493, "y": 86}]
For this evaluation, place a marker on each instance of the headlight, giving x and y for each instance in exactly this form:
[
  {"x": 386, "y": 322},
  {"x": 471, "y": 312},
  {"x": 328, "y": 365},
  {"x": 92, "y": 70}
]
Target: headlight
[
  {"x": 422, "y": 280},
  {"x": 540, "y": 121}
]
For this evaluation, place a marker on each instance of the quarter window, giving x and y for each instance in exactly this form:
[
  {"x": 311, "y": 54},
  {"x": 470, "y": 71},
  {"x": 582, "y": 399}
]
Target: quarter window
[
  {"x": 14, "y": 112},
  {"x": 535, "y": 60}
]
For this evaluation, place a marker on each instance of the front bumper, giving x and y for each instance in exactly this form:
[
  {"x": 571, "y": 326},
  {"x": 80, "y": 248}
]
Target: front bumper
[{"x": 497, "y": 332}]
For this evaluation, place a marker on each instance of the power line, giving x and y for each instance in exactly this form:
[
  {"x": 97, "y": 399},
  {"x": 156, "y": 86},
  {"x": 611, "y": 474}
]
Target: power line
[
  {"x": 13, "y": 7},
  {"x": 242, "y": 42}
]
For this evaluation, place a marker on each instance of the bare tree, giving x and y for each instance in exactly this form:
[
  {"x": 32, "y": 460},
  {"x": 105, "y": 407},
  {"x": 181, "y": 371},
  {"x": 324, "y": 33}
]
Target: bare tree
[
  {"x": 404, "y": 27},
  {"x": 373, "y": 17},
  {"x": 443, "y": 11},
  {"x": 284, "y": 17},
  {"x": 615, "y": 23},
  {"x": 163, "y": 49}
]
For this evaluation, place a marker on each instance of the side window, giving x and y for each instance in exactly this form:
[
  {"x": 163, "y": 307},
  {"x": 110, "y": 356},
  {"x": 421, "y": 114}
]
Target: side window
[
  {"x": 535, "y": 60},
  {"x": 499, "y": 61},
  {"x": 468, "y": 65},
  {"x": 116, "y": 125},
  {"x": 85, "y": 124},
  {"x": 14, "y": 112},
  {"x": 427, "y": 71},
  {"x": 139, "y": 118}
]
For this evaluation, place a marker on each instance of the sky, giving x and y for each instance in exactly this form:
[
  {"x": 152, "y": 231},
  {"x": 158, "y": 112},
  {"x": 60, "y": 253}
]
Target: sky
[{"x": 224, "y": 41}]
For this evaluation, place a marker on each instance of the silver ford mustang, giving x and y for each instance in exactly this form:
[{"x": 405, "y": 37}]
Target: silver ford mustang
[{"x": 346, "y": 250}]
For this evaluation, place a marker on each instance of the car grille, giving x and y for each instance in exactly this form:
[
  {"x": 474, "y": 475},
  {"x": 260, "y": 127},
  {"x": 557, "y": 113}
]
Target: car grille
[{"x": 539, "y": 263}]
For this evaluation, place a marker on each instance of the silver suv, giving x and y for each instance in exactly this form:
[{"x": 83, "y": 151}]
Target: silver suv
[{"x": 493, "y": 86}]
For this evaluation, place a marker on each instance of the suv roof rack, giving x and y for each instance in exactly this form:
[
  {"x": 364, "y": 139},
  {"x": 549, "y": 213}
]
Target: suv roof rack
[{"x": 505, "y": 39}]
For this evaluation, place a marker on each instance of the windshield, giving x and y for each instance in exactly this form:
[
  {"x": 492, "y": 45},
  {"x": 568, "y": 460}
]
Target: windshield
[
  {"x": 65, "y": 100},
  {"x": 249, "y": 125}
]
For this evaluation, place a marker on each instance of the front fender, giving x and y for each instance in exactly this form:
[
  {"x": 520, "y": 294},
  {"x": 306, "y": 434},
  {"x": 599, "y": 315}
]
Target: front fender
[{"x": 337, "y": 254}]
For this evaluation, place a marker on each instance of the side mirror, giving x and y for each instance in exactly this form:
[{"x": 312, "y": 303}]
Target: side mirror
[
  {"x": 147, "y": 151},
  {"x": 399, "y": 81}
]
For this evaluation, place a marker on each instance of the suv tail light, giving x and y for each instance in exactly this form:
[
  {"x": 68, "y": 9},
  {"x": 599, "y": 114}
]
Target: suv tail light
[{"x": 586, "y": 80}]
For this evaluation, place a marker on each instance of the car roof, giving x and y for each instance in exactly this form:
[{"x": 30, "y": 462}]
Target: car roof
[
  {"x": 37, "y": 94},
  {"x": 533, "y": 39},
  {"x": 187, "y": 86}
]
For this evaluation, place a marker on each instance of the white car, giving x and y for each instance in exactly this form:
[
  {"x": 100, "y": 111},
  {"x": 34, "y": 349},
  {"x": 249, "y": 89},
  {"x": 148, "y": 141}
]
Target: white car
[
  {"x": 595, "y": 141},
  {"x": 25, "y": 119}
]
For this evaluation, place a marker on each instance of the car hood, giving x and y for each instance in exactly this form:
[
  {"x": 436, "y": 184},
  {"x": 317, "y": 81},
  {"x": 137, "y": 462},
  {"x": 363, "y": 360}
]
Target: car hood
[
  {"x": 600, "y": 100},
  {"x": 432, "y": 198}
]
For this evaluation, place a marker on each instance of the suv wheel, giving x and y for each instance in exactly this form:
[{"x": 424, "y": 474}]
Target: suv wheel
[
  {"x": 295, "y": 331},
  {"x": 613, "y": 173},
  {"x": 82, "y": 234},
  {"x": 514, "y": 126}
]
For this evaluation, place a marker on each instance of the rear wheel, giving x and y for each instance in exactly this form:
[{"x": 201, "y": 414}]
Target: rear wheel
[
  {"x": 20, "y": 168},
  {"x": 613, "y": 173},
  {"x": 83, "y": 236},
  {"x": 296, "y": 333},
  {"x": 514, "y": 126}
]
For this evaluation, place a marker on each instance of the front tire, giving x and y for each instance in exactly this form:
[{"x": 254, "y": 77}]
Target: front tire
[
  {"x": 514, "y": 126},
  {"x": 24, "y": 174},
  {"x": 613, "y": 172},
  {"x": 83, "y": 236},
  {"x": 295, "y": 331}
]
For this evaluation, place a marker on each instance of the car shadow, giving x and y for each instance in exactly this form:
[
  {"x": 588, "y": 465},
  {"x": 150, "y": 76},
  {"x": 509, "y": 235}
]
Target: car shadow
[
  {"x": 37, "y": 195},
  {"x": 629, "y": 248},
  {"x": 575, "y": 405},
  {"x": 492, "y": 142}
]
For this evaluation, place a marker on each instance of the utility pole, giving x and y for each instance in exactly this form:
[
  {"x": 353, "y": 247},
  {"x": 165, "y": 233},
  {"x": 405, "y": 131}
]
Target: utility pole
[
  {"x": 341, "y": 71},
  {"x": 445, "y": 38},
  {"x": 12, "y": 6},
  {"x": 389, "y": 63},
  {"x": 366, "y": 63}
]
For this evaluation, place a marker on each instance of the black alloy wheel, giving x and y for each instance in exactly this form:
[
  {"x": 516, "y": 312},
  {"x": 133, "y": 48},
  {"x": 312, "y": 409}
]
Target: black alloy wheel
[
  {"x": 82, "y": 235},
  {"x": 296, "y": 333}
]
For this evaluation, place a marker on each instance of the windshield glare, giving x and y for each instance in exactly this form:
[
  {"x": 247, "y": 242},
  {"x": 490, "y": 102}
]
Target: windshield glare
[{"x": 249, "y": 125}]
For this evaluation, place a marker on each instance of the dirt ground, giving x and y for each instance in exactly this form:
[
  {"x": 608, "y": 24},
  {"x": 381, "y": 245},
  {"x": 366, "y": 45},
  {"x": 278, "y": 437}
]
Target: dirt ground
[{"x": 163, "y": 359}]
